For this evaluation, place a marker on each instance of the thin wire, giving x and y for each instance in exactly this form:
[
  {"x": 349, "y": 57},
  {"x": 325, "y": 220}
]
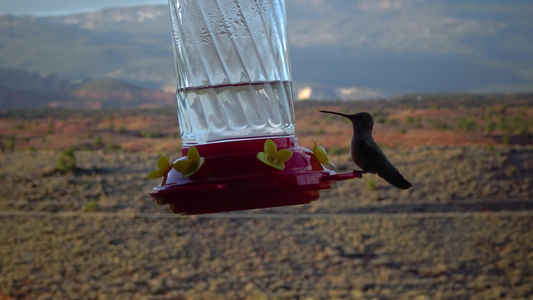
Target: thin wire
[
  {"x": 453, "y": 214},
  {"x": 480, "y": 201},
  {"x": 65, "y": 203}
]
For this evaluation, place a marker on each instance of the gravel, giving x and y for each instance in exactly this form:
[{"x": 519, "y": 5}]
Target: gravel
[{"x": 463, "y": 232}]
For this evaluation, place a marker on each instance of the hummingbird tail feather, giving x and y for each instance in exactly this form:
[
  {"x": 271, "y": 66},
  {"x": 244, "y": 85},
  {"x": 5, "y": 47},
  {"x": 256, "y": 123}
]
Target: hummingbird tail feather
[{"x": 396, "y": 179}]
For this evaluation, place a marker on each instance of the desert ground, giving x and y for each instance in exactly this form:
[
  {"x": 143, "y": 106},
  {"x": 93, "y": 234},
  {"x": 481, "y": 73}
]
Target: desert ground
[{"x": 464, "y": 231}]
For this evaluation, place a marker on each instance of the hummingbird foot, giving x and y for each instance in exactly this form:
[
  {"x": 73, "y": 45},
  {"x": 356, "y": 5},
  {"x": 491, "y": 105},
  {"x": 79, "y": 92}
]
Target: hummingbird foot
[{"x": 359, "y": 173}]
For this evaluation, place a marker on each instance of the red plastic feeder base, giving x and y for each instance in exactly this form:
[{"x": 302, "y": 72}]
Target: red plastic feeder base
[{"x": 232, "y": 178}]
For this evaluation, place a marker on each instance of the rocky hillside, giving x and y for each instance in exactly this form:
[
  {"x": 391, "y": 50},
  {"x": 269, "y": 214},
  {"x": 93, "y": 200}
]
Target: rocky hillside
[
  {"x": 20, "y": 89},
  {"x": 350, "y": 50}
]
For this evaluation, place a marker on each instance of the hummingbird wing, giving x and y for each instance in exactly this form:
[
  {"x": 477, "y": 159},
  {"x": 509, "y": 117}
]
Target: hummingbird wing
[{"x": 381, "y": 165}]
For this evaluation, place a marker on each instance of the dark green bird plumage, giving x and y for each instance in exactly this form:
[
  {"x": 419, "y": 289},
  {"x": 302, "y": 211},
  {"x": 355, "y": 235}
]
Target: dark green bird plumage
[{"x": 367, "y": 155}]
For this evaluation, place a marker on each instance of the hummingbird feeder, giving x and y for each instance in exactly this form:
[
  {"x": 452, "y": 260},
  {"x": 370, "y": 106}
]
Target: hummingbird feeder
[{"x": 236, "y": 114}]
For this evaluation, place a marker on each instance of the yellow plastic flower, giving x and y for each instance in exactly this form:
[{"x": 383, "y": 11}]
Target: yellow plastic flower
[
  {"x": 272, "y": 157},
  {"x": 163, "y": 166},
  {"x": 321, "y": 154},
  {"x": 190, "y": 165}
]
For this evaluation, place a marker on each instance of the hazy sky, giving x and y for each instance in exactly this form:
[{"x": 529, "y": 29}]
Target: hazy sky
[{"x": 63, "y": 7}]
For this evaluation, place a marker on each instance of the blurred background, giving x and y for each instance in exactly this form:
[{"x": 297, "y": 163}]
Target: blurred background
[
  {"x": 87, "y": 106},
  {"x": 340, "y": 50}
]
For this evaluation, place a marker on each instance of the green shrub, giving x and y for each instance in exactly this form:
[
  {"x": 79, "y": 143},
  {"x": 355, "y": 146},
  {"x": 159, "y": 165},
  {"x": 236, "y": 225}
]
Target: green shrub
[
  {"x": 390, "y": 122},
  {"x": 490, "y": 127},
  {"x": 370, "y": 185},
  {"x": 92, "y": 206},
  {"x": 66, "y": 161},
  {"x": 438, "y": 124},
  {"x": 466, "y": 124},
  {"x": 524, "y": 131},
  {"x": 418, "y": 122},
  {"x": 50, "y": 129},
  {"x": 10, "y": 145},
  {"x": 112, "y": 147},
  {"x": 502, "y": 124},
  {"x": 506, "y": 139},
  {"x": 152, "y": 134},
  {"x": 97, "y": 142},
  {"x": 380, "y": 119},
  {"x": 336, "y": 150}
]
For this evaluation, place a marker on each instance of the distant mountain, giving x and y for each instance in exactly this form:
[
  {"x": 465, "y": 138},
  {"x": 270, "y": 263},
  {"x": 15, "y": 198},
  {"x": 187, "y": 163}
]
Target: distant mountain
[
  {"x": 340, "y": 49},
  {"x": 106, "y": 86},
  {"x": 29, "y": 90},
  {"x": 32, "y": 82},
  {"x": 11, "y": 99},
  {"x": 114, "y": 93},
  {"x": 63, "y": 46}
]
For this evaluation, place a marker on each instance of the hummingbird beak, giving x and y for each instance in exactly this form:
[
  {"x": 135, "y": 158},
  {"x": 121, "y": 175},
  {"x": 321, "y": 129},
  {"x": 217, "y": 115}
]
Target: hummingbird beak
[{"x": 334, "y": 113}]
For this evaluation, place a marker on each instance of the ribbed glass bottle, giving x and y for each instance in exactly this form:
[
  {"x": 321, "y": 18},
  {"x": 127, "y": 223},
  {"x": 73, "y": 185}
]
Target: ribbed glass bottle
[{"x": 232, "y": 70}]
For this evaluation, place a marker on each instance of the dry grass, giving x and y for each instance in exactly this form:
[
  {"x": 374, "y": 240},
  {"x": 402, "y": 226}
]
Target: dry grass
[{"x": 462, "y": 232}]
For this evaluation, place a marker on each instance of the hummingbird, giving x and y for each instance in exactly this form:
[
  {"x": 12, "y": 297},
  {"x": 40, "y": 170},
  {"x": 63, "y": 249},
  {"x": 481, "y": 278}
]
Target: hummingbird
[{"x": 367, "y": 155}]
